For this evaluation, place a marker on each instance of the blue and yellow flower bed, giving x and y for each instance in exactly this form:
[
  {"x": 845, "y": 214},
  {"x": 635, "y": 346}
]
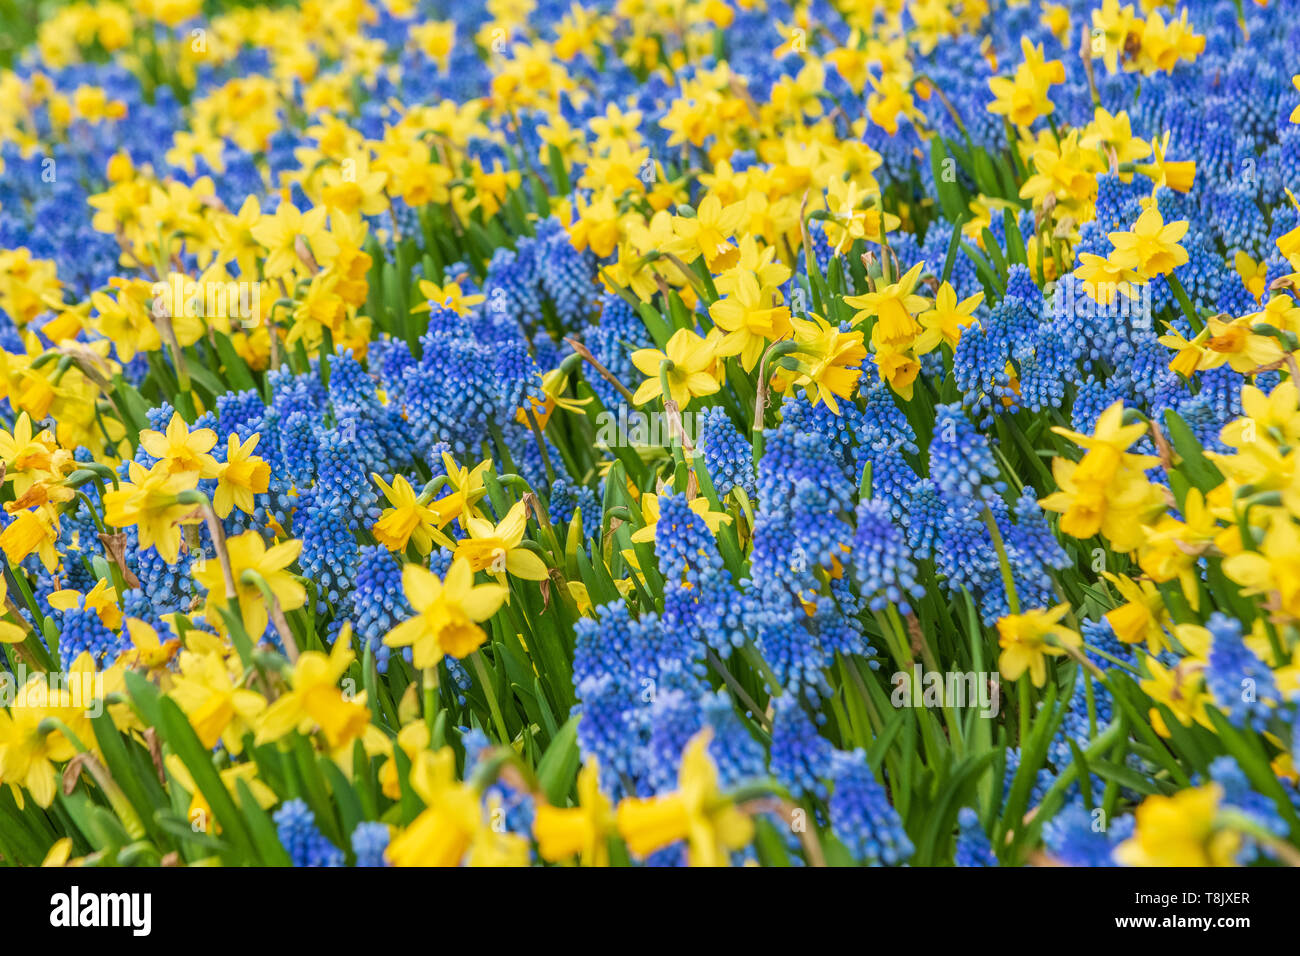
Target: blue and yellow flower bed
[{"x": 650, "y": 432}]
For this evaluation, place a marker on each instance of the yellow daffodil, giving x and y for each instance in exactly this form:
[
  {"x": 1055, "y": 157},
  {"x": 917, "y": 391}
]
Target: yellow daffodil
[
  {"x": 689, "y": 375},
  {"x": 452, "y": 829},
  {"x": 751, "y": 316},
  {"x": 696, "y": 812},
  {"x": 1142, "y": 616},
  {"x": 37, "y": 530},
  {"x": 149, "y": 652},
  {"x": 829, "y": 361},
  {"x": 1151, "y": 247},
  {"x": 1172, "y": 547},
  {"x": 407, "y": 520},
  {"x": 179, "y": 450},
  {"x": 199, "y": 813},
  {"x": 147, "y": 500},
  {"x": 467, "y": 490},
  {"x": 316, "y": 702},
  {"x": 708, "y": 233},
  {"x": 447, "y": 613},
  {"x": 239, "y": 477},
  {"x": 102, "y": 599},
  {"x": 944, "y": 321},
  {"x": 583, "y": 830},
  {"x": 1181, "y": 689},
  {"x": 894, "y": 306},
  {"x": 447, "y": 296},
  {"x": 288, "y": 234},
  {"x": 251, "y": 559},
  {"x": 30, "y": 747},
  {"x": 1107, "y": 491},
  {"x": 218, "y": 708},
  {"x": 1028, "y": 639},
  {"x": 1023, "y": 98},
  {"x": 1181, "y": 830},
  {"x": 1273, "y": 570},
  {"x": 498, "y": 549}
]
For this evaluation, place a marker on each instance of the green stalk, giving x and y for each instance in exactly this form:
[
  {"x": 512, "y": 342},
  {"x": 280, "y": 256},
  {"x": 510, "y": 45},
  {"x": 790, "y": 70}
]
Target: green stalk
[{"x": 481, "y": 670}]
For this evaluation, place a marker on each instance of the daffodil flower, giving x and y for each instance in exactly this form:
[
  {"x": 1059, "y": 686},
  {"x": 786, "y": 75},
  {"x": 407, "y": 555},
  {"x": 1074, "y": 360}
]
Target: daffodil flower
[
  {"x": 179, "y": 450},
  {"x": 218, "y": 708},
  {"x": 147, "y": 500},
  {"x": 248, "y": 552},
  {"x": 751, "y": 316},
  {"x": 944, "y": 321},
  {"x": 1151, "y": 247},
  {"x": 447, "y": 613},
  {"x": 696, "y": 812},
  {"x": 689, "y": 375},
  {"x": 829, "y": 360},
  {"x": 447, "y": 296},
  {"x": 581, "y": 831},
  {"x": 28, "y": 750},
  {"x": 1181, "y": 689},
  {"x": 894, "y": 307},
  {"x": 467, "y": 490},
  {"x": 1180, "y": 830},
  {"x": 316, "y": 702},
  {"x": 498, "y": 549},
  {"x": 199, "y": 813},
  {"x": 650, "y": 512},
  {"x": 102, "y": 599},
  {"x": 1028, "y": 639},
  {"x": 239, "y": 477},
  {"x": 279, "y": 234},
  {"x": 407, "y": 520}
]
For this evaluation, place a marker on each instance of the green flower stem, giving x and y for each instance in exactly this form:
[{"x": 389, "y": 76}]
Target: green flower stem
[
  {"x": 1236, "y": 820},
  {"x": 430, "y": 490},
  {"x": 499, "y": 442},
  {"x": 756, "y": 661},
  {"x": 955, "y": 735},
  {"x": 1185, "y": 303},
  {"x": 1004, "y": 564},
  {"x": 117, "y": 799},
  {"x": 541, "y": 445},
  {"x": 734, "y": 685},
  {"x": 274, "y": 610},
  {"x": 681, "y": 471},
  {"x": 666, "y": 366},
  {"x": 481, "y": 670},
  {"x": 430, "y": 689},
  {"x": 897, "y": 646},
  {"x": 1022, "y": 701},
  {"x": 774, "y": 352},
  {"x": 234, "y": 613}
]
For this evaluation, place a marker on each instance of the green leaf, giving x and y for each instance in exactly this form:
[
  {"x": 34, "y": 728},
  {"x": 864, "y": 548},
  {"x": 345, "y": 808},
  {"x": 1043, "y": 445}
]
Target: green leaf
[
  {"x": 559, "y": 764},
  {"x": 950, "y": 199},
  {"x": 180, "y": 736},
  {"x": 1202, "y": 472},
  {"x": 123, "y": 769},
  {"x": 263, "y": 829},
  {"x": 1254, "y": 763}
]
